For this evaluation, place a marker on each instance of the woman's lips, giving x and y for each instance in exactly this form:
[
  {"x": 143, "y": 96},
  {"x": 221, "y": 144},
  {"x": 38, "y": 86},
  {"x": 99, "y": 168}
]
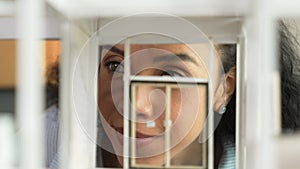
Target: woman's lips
[{"x": 141, "y": 138}]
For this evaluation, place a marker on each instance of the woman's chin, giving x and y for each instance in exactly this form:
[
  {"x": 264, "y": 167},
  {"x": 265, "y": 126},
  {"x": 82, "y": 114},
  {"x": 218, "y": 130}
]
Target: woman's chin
[{"x": 155, "y": 160}]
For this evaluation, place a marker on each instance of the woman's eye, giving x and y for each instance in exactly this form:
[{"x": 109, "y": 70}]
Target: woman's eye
[
  {"x": 115, "y": 66},
  {"x": 171, "y": 73}
]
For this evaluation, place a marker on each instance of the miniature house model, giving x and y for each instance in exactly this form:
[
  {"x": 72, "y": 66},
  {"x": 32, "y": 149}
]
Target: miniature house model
[{"x": 89, "y": 29}]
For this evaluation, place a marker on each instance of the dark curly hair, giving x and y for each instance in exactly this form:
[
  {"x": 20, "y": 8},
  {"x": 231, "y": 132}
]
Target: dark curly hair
[
  {"x": 290, "y": 76},
  {"x": 226, "y": 126}
]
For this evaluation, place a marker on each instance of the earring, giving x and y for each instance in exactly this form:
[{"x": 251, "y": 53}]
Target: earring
[{"x": 222, "y": 109}]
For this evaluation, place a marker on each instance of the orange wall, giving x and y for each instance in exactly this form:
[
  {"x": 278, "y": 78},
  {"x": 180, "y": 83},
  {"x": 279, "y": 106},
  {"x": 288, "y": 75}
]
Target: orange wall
[{"x": 7, "y": 63}]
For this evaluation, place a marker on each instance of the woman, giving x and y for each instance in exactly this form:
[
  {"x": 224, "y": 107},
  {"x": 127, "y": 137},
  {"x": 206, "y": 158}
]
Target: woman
[
  {"x": 224, "y": 154},
  {"x": 188, "y": 106},
  {"x": 52, "y": 110}
]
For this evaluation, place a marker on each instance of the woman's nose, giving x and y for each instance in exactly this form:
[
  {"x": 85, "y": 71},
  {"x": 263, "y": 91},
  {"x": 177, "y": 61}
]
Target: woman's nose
[
  {"x": 143, "y": 104},
  {"x": 149, "y": 103}
]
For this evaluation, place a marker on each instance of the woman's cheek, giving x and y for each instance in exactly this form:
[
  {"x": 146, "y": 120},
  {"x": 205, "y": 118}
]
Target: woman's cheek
[
  {"x": 104, "y": 100},
  {"x": 175, "y": 104}
]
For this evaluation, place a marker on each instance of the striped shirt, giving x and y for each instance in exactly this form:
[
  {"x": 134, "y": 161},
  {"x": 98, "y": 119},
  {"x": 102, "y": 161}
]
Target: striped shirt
[{"x": 228, "y": 158}]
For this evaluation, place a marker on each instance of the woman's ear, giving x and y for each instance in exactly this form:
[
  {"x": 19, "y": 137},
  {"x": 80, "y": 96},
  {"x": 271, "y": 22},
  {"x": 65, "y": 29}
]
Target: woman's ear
[
  {"x": 230, "y": 83},
  {"x": 225, "y": 89}
]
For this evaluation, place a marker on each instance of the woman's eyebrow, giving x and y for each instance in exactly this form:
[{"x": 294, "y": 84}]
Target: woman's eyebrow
[
  {"x": 163, "y": 58},
  {"x": 114, "y": 49},
  {"x": 176, "y": 57}
]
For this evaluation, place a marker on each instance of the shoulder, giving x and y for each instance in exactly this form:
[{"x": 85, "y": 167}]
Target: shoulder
[
  {"x": 228, "y": 158},
  {"x": 52, "y": 135},
  {"x": 51, "y": 113}
]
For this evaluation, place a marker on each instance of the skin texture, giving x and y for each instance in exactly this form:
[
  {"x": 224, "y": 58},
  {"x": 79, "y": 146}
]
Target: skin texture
[{"x": 187, "y": 114}]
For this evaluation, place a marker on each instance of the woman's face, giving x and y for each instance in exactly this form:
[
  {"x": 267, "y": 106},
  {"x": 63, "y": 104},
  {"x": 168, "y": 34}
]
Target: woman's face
[{"x": 188, "y": 103}]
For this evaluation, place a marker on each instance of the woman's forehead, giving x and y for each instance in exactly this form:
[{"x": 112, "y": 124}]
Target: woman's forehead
[
  {"x": 196, "y": 51},
  {"x": 189, "y": 54},
  {"x": 170, "y": 47}
]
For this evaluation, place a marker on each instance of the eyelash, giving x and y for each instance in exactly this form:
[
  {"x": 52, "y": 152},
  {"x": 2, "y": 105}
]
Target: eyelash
[{"x": 119, "y": 67}]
